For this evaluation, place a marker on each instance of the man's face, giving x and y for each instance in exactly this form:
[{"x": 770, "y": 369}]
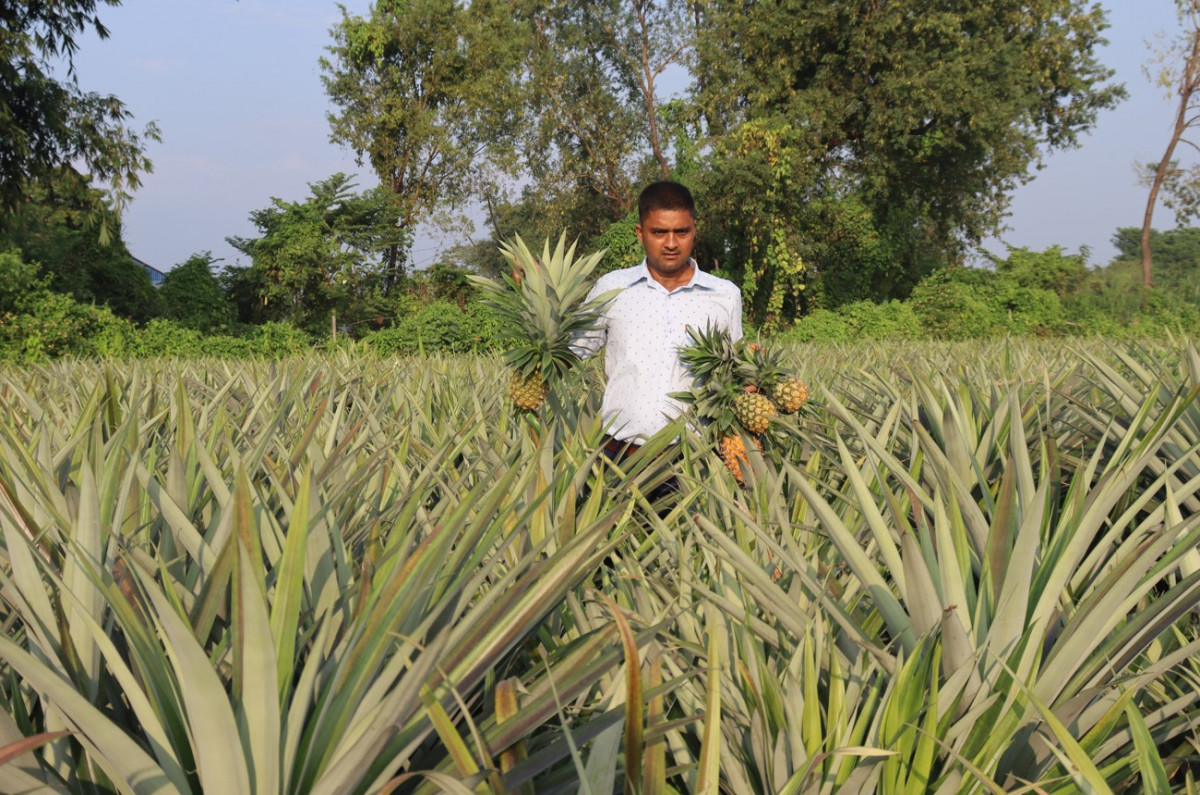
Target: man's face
[{"x": 667, "y": 236}]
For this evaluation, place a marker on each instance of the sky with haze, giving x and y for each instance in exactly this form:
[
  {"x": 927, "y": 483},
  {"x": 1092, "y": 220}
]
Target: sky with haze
[{"x": 235, "y": 88}]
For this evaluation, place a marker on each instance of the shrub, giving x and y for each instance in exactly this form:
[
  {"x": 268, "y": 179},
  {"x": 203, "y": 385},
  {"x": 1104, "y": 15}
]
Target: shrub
[
  {"x": 38, "y": 324},
  {"x": 957, "y": 303},
  {"x": 439, "y": 327},
  {"x": 620, "y": 243},
  {"x": 1051, "y": 269},
  {"x": 276, "y": 340},
  {"x": 821, "y": 325},
  {"x": 161, "y": 337}
]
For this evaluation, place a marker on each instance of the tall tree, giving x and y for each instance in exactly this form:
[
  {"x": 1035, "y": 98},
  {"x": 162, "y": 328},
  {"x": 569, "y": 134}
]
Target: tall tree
[
  {"x": 317, "y": 256},
  {"x": 925, "y": 114},
  {"x": 595, "y": 72},
  {"x": 47, "y": 124},
  {"x": 191, "y": 295},
  {"x": 422, "y": 89},
  {"x": 1180, "y": 75}
]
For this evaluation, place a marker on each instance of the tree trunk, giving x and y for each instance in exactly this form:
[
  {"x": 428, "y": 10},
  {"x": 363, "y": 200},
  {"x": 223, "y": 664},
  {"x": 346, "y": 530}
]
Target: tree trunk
[
  {"x": 1160, "y": 174},
  {"x": 1189, "y": 84}
]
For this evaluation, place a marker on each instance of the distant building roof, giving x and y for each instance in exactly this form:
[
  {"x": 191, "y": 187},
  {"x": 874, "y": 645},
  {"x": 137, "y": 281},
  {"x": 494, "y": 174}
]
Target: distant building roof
[{"x": 156, "y": 276}]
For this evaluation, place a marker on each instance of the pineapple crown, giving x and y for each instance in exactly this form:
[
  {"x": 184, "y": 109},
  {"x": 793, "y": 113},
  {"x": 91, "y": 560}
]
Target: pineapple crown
[
  {"x": 712, "y": 358},
  {"x": 543, "y": 304},
  {"x": 711, "y": 355},
  {"x": 760, "y": 364}
]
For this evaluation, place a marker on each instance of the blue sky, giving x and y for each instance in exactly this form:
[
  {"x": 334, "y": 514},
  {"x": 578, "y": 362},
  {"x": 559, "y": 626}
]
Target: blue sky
[{"x": 235, "y": 88}]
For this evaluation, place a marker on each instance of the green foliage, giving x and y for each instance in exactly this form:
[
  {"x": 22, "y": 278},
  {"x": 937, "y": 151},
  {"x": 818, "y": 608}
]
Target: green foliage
[
  {"x": 314, "y": 258},
  {"x": 968, "y": 303},
  {"x": 48, "y": 124},
  {"x": 167, "y": 338},
  {"x": 56, "y": 226},
  {"x": 1176, "y": 258},
  {"x": 438, "y": 327},
  {"x": 192, "y": 296},
  {"x": 862, "y": 320},
  {"x": 922, "y": 115},
  {"x": 38, "y": 324},
  {"x": 420, "y": 89},
  {"x": 1051, "y": 270},
  {"x": 620, "y": 245},
  {"x": 278, "y": 340}
]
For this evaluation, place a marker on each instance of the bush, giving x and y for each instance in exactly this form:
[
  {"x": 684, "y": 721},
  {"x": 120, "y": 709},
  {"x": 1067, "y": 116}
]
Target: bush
[
  {"x": 438, "y": 327},
  {"x": 958, "y": 303},
  {"x": 861, "y": 320},
  {"x": 162, "y": 337},
  {"x": 620, "y": 243},
  {"x": 38, "y": 324},
  {"x": 276, "y": 340},
  {"x": 821, "y": 325}
]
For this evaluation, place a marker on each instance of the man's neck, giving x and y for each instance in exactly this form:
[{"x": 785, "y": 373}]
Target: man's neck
[{"x": 675, "y": 280}]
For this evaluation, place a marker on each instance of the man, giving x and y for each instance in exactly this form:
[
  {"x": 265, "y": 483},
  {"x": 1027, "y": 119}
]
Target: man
[{"x": 646, "y": 324}]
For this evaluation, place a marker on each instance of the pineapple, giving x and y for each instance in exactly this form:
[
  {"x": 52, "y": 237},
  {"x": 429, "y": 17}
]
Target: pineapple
[
  {"x": 528, "y": 392},
  {"x": 720, "y": 400},
  {"x": 543, "y": 306},
  {"x": 733, "y": 453},
  {"x": 754, "y": 411},
  {"x": 790, "y": 394},
  {"x": 763, "y": 366}
]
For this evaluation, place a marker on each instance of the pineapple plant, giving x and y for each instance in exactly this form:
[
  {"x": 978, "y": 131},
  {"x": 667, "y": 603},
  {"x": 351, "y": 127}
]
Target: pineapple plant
[
  {"x": 763, "y": 366},
  {"x": 543, "y": 305},
  {"x": 720, "y": 400}
]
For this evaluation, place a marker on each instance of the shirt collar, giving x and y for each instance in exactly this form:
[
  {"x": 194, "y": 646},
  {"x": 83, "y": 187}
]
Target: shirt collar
[{"x": 641, "y": 273}]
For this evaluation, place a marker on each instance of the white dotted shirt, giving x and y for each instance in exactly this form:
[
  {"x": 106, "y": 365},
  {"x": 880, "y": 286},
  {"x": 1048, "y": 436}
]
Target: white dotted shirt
[{"x": 642, "y": 331}]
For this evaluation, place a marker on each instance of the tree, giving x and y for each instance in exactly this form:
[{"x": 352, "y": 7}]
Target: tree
[
  {"x": 47, "y": 124},
  {"x": 1176, "y": 258},
  {"x": 315, "y": 257},
  {"x": 594, "y": 82},
  {"x": 1181, "y": 76},
  {"x": 192, "y": 296},
  {"x": 423, "y": 88},
  {"x": 64, "y": 226},
  {"x": 924, "y": 113}
]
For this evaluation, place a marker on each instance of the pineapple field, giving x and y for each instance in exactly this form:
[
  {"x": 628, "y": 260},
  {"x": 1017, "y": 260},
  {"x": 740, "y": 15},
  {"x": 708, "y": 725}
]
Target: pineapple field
[{"x": 956, "y": 569}]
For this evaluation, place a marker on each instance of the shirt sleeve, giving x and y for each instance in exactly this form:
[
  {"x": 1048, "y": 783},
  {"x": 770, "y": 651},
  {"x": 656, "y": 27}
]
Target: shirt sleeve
[
  {"x": 586, "y": 344},
  {"x": 735, "y": 319}
]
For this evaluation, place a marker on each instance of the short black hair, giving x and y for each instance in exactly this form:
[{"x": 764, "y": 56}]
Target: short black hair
[{"x": 665, "y": 195}]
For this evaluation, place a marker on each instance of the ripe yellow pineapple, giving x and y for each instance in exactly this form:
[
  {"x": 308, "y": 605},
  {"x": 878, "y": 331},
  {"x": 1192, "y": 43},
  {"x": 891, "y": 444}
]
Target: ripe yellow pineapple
[
  {"x": 790, "y": 394},
  {"x": 733, "y": 453},
  {"x": 542, "y": 306},
  {"x": 754, "y": 411}
]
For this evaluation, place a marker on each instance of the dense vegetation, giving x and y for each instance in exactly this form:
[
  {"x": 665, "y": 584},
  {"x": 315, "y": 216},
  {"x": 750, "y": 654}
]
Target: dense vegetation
[
  {"x": 273, "y": 528},
  {"x": 966, "y": 567}
]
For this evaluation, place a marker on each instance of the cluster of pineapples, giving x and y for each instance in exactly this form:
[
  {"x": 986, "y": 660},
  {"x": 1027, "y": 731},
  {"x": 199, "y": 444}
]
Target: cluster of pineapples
[
  {"x": 543, "y": 307},
  {"x": 741, "y": 387}
]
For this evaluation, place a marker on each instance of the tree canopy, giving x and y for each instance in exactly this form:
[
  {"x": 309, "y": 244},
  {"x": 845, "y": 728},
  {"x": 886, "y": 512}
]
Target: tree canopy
[
  {"x": 314, "y": 257},
  {"x": 47, "y": 124},
  {"x": 922, "y": 115},
  {"x": 422, "y": 89}
]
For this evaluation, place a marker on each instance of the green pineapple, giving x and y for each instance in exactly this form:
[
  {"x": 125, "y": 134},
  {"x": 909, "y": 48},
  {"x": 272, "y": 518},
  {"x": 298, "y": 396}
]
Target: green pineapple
[
  {"x": 754, "y": 411},
  {"x": 763, "y": 366},
  {"x": 720, "y": 399},
  {"x": 542, "y": 305}
]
